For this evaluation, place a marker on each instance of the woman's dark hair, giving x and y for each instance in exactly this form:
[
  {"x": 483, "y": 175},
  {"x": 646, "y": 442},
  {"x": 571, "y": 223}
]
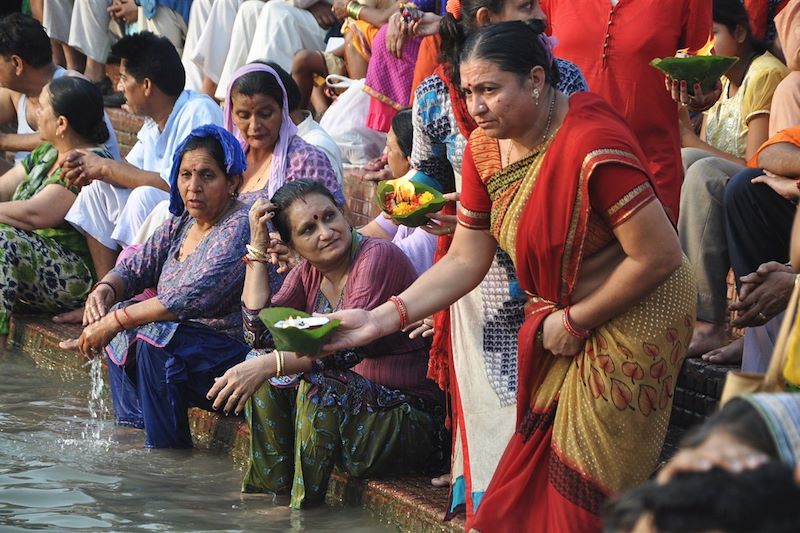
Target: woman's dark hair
[
  {"x": 149, "y": 56},
  {"x": 404, "y": 131},
  {"x": 288, "y": 195},
  {"x": 731, "y": 13},
  {"x": 454, "y": 33},
  {"x": 81, "y": 102},
  {"x": 513, "y": 46},
  {"x": 258, "y": 82}
]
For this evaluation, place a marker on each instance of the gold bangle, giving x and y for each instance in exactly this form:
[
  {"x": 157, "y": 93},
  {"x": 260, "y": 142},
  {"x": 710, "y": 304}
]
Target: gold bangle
[
  {"x": 279, "y": 363},
  {"x": 256, "y": 252}
]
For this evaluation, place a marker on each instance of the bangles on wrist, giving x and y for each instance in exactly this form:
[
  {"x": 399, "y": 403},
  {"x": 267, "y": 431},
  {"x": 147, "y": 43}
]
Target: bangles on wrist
[
  {"x": 354, "y": 9},
  {"x": 280, "y": 363},
  {"x": 571, "y": 328},
  {"x": 402, "y": 310}
]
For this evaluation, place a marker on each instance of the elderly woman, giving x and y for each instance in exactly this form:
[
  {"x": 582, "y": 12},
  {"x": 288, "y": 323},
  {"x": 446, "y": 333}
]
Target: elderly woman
[
  {"x": 561, "y": 184},
  {"x": 165, "y": 351},
  {"x": 257, "y": 113},
  {"x": 370, "y": 410},
  {"x": 43, "y": 260}
]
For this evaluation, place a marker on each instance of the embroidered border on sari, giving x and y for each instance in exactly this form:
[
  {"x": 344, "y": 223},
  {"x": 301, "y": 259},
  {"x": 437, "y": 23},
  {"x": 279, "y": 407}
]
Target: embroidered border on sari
[
  {"x": 473, "y": 219},
  {"x": 574, "y": 486},
  {"x": 580, "y": 214},
  {"x": 629, "y": 204}
]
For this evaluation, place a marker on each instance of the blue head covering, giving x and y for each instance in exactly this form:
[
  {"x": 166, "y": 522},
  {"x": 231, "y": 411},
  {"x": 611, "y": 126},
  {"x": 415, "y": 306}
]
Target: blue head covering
[
  {"x": 781, "y": 413},
  {"x": 235, "y": 162}
]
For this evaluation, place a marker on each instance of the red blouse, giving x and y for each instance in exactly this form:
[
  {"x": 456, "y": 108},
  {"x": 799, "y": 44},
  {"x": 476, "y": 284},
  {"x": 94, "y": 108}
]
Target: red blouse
[{"x": 613, "y": 47}]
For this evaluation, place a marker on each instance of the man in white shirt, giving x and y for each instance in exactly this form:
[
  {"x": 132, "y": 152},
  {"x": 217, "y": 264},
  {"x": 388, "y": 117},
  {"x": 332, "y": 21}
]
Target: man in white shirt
[{"x": 120, "y": 194}]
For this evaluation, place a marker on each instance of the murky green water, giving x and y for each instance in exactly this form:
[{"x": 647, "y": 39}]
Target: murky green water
[{"x": 62, "y": 471}]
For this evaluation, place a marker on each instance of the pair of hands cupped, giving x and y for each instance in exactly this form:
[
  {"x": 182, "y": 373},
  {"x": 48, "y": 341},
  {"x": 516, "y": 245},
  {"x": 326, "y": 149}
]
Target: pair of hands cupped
[{"x": 98, "y": 327}]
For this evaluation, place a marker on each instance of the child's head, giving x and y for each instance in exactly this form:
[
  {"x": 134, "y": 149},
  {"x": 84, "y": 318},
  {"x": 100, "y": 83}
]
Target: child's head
[
  {"x": 732, "y": 32},
  {"x": 399, "y": 143}
]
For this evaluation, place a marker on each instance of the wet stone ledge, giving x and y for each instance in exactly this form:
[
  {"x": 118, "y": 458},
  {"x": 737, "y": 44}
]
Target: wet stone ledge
[{"x": 408, "y": 502}]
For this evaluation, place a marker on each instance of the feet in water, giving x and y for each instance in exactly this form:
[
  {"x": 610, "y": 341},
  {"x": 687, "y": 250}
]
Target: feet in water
[
  {"x": 70, "y": 317},
  {"x": 706, "y": 337},
  {"x": 441, "y": 481},
  {"x": 726, "y": 355}
]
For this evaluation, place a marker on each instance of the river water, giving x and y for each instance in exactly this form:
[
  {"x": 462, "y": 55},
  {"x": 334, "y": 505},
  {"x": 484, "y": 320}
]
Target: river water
[{"x": 62, "y": 470}]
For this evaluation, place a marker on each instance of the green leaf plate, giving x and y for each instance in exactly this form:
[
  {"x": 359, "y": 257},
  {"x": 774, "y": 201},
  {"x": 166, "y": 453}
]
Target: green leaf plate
[
  {"x": 415, "y": 218},
  {"x": 302, "y": 341},
  {"x": 703, "y": 69}
]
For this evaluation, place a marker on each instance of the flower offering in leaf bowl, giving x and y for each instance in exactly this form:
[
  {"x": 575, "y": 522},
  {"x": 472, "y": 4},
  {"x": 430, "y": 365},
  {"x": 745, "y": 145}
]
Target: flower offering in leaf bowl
[
  {"x": 407, "y": 201},
  {"x": 296, "y": 331},
  {"x": 705, "y": 70}
]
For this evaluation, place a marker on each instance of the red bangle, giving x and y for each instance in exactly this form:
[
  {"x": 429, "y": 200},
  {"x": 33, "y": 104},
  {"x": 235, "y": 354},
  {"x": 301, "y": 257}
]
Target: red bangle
[
  {"x": 125, "y": 312},
  {"x": 582, "y": 334},
  {"x": 401, "y": 310},
  {"x": 122, "y": 327}
]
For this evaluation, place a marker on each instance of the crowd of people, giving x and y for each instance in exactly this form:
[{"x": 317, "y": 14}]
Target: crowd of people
[{"x": 524, "y": 344}]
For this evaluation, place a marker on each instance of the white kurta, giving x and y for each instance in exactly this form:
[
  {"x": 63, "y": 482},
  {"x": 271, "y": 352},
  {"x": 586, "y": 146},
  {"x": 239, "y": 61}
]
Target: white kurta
[{"x": 280, "y": 30}]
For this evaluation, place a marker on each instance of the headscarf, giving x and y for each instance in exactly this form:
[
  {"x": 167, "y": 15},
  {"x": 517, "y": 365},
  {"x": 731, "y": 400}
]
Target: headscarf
[
  {"x": 235, "y": 162},
  {"x": 781, "y": 414},
  {"x": 280, "y": 153}
]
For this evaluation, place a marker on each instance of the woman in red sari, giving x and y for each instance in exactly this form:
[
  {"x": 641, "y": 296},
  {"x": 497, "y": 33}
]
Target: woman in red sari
[{"x": 561, "y": 184}]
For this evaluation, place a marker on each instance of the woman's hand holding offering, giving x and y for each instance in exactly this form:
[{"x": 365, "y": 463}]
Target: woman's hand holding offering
[
  {"x": 443, "y": 224},
  {"x": 557, "y": 340},
  {"x": 357, "y": 328},
  {"x": 232, "y": 390},
  {"x": 698, "y": 100}
]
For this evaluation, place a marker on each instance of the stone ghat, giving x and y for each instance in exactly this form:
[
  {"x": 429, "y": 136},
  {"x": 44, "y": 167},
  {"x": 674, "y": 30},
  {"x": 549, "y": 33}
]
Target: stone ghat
[{"x": 410, "y": 502}]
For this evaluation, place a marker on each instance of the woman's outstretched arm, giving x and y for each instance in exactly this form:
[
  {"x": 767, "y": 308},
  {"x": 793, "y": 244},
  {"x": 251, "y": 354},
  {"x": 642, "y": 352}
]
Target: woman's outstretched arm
[{"x": 460, "y": 271}]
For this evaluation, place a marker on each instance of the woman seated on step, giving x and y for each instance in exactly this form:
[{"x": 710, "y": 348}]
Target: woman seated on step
[
  {"x": 44, "y": 262},
  {"x": 371, "y": 410},
  {"x": 164, "y": 351}
]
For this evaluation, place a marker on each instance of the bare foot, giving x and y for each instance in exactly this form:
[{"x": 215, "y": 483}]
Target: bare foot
[
  {"x": 69, "y": 344},
  {"x": 727, "y": 355},
  {"x": 706, "y": 337},
  {"x": 441, "y": 481},
  {"x": 70, "y": 317}
]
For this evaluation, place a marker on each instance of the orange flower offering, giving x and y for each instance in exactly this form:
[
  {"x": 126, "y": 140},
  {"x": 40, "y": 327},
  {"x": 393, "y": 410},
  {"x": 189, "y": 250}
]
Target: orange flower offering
[{"x": 404, "y": 200}]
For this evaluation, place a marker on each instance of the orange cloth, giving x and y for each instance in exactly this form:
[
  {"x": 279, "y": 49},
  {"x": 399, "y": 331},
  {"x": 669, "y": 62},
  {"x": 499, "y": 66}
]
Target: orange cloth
[
  {"x": 790, "y": 135},
  {"x": 427, "y": 61}
]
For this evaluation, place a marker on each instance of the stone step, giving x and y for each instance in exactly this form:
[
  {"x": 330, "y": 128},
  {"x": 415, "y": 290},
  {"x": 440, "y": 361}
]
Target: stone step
[{"x": 408, "y": 502}]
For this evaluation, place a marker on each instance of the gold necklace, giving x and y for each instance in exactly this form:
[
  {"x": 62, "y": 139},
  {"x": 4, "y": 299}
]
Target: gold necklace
[{"x": 547, "y": 125}]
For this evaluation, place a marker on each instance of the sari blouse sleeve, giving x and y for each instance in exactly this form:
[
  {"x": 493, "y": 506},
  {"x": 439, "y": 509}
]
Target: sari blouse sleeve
[
  {"x": 476, "y": 205},
  {"x": 617, "y": 192}
]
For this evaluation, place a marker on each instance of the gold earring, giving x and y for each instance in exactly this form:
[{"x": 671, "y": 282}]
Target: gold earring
[{"x": 536, "y": 95}]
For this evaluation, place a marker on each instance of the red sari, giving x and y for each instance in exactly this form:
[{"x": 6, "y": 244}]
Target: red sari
[
  {"x": 591, "y": 424},
  {"x": 613, "y": 47}
]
